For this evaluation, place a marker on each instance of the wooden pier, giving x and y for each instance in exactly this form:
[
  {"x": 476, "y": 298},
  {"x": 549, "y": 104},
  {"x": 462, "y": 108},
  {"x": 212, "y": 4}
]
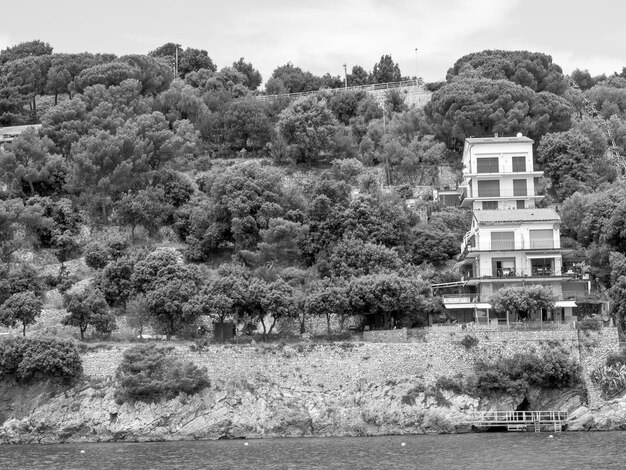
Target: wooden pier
[{"x": 537, "y": 421}]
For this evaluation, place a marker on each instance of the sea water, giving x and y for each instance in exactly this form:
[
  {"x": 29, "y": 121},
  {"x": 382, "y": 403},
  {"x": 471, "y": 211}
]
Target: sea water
[{"x": 485, "y": 451}]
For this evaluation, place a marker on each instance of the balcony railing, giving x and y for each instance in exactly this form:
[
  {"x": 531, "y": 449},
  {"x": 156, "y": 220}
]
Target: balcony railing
[
  {"x": 521, "y": 273},
  {"x": 513, "y": 245},
  {"x": 494, "y": 193}
]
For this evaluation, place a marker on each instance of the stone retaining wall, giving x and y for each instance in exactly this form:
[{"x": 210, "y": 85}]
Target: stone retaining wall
[{"x": 332, "y": 365}]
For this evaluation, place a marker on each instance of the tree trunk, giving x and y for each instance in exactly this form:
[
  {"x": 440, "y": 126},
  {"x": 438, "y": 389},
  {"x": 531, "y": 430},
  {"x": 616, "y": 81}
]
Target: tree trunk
[
  {"x": 32, "y": 188},
  {"x": 24, "y": 330},
  {"x": 302, "y": 323},
  {"x": 56, "y": 98},
  {"x": 272, "y": 325},
  {"x": 35, "y": 105},
  {"x": 82, "y": 332},
  {"x": 264, "y": 331}
]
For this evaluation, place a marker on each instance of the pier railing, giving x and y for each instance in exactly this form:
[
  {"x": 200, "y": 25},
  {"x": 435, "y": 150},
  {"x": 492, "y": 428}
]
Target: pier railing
[{"x": 503, "y": 418}]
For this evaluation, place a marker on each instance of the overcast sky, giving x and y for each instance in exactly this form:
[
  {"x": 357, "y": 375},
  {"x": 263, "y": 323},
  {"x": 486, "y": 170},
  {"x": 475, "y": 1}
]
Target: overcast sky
[{"x": 321, "y": 35}]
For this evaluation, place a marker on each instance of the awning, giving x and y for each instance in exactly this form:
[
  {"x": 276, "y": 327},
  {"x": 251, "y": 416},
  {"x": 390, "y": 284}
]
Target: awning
[
  {"x": 478, "y": 305},
  {"x": 565, "y": 303}
]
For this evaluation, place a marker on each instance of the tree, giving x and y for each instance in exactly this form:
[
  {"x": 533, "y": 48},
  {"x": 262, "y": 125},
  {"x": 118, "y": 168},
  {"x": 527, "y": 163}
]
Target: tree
[
  {"x": 173, "y": 288},
  {"x": 308, "y": 126},
  {"x": 25, "y": 49},
  {"x": 108, "y": 74},
  {"x": 137, "y": 314},
  {"x": 253, "y": 76},
  {"x": 386, "y": 70},
  {"x": 262, "y": 301},
  {"x": 87, "y": 308},
  {"x": 29, "y": 159},
  {"x": 567, "y": 156},
  {"x": 469, "y": 107},
  {"x": 359, "y": 76},
  {"x": 293, "y": 79},
  {"x": 27, "y": 76},
  {"x": 147, "y": 208},
  {"x": 17, "y": 279},
  {"x": 23, "y": 307},
  {"x": 192, "y": 60},
  {"x": 247, "y": 125},
  {"x": 583, "y": 79},
  {"x": 155, "y": 75},
  {"x": 530, "y": 69},
  {"x": 352, "y": 258},
  {"x": 114, "y": 281},
  {"x": 390, "y": 299},
  {"x": 146, "y": 271},
  {"x": 523, "y": 300},
  {"x": 327, "y": 298}
]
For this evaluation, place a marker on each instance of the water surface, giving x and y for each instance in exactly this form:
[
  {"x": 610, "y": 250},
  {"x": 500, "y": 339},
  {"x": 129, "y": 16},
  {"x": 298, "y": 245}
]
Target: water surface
[{"x": 487, "y": 451}]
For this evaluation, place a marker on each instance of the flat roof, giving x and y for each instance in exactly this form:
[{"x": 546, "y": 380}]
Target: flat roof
[
  {"x": 516, "y": 215},
  {"x": 497, "y": 140}
]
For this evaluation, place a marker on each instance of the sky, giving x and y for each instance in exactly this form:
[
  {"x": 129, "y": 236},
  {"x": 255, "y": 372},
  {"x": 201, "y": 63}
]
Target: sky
[{"x": 322, "y": 35}]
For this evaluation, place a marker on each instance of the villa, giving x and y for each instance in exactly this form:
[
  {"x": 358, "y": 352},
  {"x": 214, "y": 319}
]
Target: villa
[{"x": 511, "y": 242}]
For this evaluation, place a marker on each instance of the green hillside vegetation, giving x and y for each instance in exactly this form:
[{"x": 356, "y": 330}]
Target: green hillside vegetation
[{"x": 187, "y": 195}]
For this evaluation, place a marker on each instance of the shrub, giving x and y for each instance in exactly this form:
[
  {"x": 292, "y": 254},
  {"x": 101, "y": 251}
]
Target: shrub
[
  {"x": 589, "y": 325},
  {"x": 619, "y": 358},
  {"x": 469, "y": 341},
  {"x": 453, "y": 384},
  {"x": 27, "y": 360},
  {"x": 555, "y": 369},
  {"x": 611, "y": 379},
  {"x": 148, "y": 373}
]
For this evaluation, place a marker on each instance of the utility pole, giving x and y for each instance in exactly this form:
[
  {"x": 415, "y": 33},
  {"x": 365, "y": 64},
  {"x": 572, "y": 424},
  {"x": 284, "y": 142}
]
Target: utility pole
[
  {"x": 176, "y": 63},
  {"x": 416, "y": 76},
  {"x": 345, "y": 72}
]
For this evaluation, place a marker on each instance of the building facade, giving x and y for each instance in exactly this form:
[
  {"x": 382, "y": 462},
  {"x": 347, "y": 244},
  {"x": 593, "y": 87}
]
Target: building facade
[{"x": 511, "y": 241}]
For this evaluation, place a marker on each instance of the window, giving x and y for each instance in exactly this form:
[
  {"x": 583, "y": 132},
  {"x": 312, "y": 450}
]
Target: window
[
  {"x": 542, "y": 266},
  {"x": 502, "y": 240},
  {"x": 487, "y": 165},
  {"x": 488, "y": 188},
  {"x": 519, "y": 188},
  {"x": 519, "y": 164},
  {"x": 504, "y": 267},
  {"x": 490, "y": 205},
  {"x": 521, "y": 204},
  {"x": 542, "y": 238}
]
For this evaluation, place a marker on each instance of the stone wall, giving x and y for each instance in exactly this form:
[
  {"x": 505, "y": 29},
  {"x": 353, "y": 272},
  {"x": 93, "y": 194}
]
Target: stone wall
[
  {"x": 413, "y": 95},
  {"x": 333, "y": 365}
]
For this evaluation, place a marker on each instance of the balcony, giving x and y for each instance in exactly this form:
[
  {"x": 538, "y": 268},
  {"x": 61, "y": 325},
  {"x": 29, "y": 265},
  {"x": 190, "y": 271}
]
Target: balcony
[
  {"x": 527, "y": 273},
  {"x": 469, "y": 195},
  {"x": 525, "y": 245}
]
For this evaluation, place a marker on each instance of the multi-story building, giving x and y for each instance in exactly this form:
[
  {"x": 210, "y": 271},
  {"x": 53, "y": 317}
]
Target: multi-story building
[{"x": 511, "y": 241}]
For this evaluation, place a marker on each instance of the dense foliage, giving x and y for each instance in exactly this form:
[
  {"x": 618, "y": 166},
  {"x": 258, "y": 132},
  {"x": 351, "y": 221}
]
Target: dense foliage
[
  {"x": 149, "y": 373},
  {"x": 312, "y": 205},
  {"x": 28, "y": 360}
]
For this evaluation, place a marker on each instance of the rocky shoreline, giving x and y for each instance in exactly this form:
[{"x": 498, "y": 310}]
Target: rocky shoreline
[{"x": 48, "y": 414}]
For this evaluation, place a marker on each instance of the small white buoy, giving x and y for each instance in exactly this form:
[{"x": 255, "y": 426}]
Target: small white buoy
[
  {"x": 82, "y": 451},
  {"x": 245, "y": 444},
  {"x": 550, "y": 436},
  {"x": 403, "y": 444}
]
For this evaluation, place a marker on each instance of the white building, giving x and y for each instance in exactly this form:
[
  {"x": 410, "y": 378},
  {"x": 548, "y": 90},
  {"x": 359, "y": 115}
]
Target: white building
[{"x": 511, "y": 242}]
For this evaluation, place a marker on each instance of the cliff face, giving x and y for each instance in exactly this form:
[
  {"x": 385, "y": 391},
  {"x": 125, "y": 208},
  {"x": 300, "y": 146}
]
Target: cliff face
[
  {"x": 262, "y": 409},
  {"x": 336, "y": 389}
]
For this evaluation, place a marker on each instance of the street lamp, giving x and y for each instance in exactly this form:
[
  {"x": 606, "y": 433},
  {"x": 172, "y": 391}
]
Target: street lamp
[{"x": 345, "y": 71}]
